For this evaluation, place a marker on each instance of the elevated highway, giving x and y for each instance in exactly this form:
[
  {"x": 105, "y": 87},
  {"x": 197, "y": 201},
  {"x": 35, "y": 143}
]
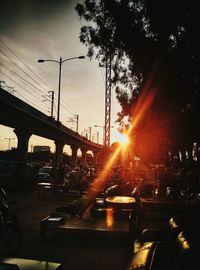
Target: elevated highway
[{"x": 26, "y": 121}]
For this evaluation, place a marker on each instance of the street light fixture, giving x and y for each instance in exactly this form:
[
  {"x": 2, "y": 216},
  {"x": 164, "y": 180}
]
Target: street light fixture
[
  {"x": 60, "y": 62},
  {"x": 9, "y": 140}
]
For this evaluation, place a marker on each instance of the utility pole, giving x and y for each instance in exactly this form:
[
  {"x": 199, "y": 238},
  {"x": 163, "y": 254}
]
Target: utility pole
[
  {"x": 89, "y": 129},
  {"x": 103, "y": 127},
  {"x": 9, "y": 140},
  {"x": 107, "y": 99},
  {"x": 108, "y": 67},
  {"x": 76, "y": 120},
  {"x": 97, "y": 137},
  {"x": 90, "y": 133},
  {"x": 60, "y": 62},
  {"x": 52, "y": 101}
]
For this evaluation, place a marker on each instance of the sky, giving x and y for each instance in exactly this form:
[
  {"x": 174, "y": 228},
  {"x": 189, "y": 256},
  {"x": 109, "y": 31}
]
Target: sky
[{"x": 32, "y": 30}]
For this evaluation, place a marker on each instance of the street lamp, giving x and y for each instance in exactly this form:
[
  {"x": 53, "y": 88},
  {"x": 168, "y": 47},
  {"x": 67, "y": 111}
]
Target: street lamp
[
  {"x": 60, "y": 62},
  {"x": 9, "y": 140}
]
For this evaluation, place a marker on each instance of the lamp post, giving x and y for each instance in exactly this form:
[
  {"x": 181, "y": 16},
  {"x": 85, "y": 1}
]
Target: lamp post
[
  {"x": 9, "y": 140},
  {"x": 103, "y": 127},
  {"x": 60, "y": 62},
  {"x": 89, "y": 129}
]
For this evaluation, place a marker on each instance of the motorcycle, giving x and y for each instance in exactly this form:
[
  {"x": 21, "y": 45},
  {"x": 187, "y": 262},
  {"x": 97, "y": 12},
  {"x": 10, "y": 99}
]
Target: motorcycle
[{"x": 10, "y": 234}]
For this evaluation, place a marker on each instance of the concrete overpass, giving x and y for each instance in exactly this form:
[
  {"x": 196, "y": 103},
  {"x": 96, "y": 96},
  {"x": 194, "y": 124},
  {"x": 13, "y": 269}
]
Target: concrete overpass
[{"x": 26, "y": 121}]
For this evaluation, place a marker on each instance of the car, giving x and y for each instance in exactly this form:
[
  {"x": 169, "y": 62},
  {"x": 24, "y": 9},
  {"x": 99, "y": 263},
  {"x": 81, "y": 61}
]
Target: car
[{"x": 45, "y": 173}]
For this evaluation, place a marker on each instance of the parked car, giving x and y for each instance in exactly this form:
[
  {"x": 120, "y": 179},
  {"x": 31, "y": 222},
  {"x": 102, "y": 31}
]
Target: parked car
[{"x": 45, "y": 173}]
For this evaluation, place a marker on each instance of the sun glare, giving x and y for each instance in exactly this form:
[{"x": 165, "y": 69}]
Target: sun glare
[
  {"x": 123, "y": 139},
  {"x": 121, "y": 142}
]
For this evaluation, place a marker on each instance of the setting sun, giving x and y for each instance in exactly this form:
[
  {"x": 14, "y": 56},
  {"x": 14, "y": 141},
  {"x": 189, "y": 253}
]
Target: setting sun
[{"x": 123, "y": 139}]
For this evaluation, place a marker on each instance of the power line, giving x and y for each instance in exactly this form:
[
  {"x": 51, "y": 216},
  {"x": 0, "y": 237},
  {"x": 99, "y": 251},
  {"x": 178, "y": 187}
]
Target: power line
[
  {"x": 25, "y": 64},
  {"x": 24, "y": 89},
  {"x": 23, "y": 71},
  {"x": 15, "y": 74},
  {"x": 20, "y": 85},
  {"x": 68, "y": 109},
  {"x": 24, "y": 80},
  {"x": 43, "y": 90}
]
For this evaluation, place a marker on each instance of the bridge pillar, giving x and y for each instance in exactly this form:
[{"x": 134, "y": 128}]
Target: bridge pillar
[
  {"x": 23, "y": 137},
  {"x": 83, "y": 158},
  {"x": 74, "y": 149},
  {"x": 98, "y": 158},
  {"x": 95, "y": 157},
  {"x": 59, "y": 153}
]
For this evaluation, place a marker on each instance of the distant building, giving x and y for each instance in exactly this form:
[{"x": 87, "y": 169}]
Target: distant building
[{"x": 41, "y": 148}]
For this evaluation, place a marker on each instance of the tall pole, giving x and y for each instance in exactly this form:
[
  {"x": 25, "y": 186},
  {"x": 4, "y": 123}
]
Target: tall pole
[
  {"x": 103, "y": 127},
  {"x": 90, "y": 133},
  {"x": 59, "y": 84},
  {"x": 60, "y": 62},
  {"x": 74, "y": 120},
  {"x": 77, "y": 120},
  {"x": 9, "y": 140},
  {"x": 52, "y": 102},
  {"x": 107, "y": 99}
]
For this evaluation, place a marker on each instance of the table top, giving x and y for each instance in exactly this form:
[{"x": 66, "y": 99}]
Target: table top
[
  {"x": 120, "y": 199},
  {"x": 25, "y": 264},
  {"x": 78, "y": 224},
  {"x": 44, "y": 184}
]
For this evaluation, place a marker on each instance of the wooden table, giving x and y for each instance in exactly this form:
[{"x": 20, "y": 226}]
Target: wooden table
[
  {"x": 91, "y": 226},
  {"x": 25, "y": 264}
]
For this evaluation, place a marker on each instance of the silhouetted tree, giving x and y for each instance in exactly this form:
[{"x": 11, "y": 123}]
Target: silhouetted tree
[{"x": 154, "y": 46}]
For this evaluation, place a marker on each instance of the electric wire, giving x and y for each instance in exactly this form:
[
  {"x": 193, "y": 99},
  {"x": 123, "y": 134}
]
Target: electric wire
[
  {"x": 22, "y": 88},
  {"x": 25, "y": 64},
  {"x": 24, "y": 80},
  {"x": 36, "y": 97},
  {"x": 21, "y": 69},
  {"x": 63, "y": 106}
]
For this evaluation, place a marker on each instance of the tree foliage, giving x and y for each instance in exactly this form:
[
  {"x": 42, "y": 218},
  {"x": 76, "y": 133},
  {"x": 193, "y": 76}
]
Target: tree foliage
[{"x": 154, "y": 46}]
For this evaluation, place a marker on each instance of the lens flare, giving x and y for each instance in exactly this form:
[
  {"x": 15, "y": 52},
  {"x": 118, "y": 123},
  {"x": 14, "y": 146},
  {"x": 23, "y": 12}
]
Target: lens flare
[
  {"x": 123, "y": 139},
  {"x": 144, "y": 104}
]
